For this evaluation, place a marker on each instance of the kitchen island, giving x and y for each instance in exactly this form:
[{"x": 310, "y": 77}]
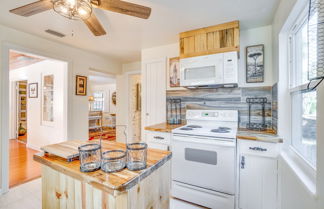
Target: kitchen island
[{"x": 64, "y": 186}]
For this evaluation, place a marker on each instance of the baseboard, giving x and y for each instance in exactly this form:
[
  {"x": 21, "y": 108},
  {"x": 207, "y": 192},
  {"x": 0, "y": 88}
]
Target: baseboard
[{"x": 37, "y": 148}]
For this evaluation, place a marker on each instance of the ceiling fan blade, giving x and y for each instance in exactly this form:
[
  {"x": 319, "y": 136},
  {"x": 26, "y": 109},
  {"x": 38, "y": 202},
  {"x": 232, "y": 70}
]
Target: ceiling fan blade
[
  {"x": 33, "y": 8},
  {"x": 126, "y": 8},
  {"x": 94, "y": 25}
]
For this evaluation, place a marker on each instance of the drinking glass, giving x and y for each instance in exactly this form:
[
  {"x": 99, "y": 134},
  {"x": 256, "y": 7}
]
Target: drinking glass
[
  {"x": 136, "y": 156},
  {"x": 90, "y": 157},
  {"x": 113, "y": 161}
]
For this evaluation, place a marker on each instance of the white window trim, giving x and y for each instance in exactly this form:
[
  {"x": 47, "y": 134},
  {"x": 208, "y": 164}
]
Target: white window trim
[
  {"x": 292, "y": 87},
  {"x": 301, "y": 168}
]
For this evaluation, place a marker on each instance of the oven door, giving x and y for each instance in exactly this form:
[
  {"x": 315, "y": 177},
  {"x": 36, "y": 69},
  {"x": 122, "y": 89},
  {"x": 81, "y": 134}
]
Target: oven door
[{"x": 205, "y": 163}]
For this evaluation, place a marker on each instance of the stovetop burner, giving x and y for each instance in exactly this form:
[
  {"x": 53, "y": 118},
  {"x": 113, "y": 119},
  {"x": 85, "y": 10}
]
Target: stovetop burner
[
  {"x": 194, "y": 126},
  {"x": 220, "y": 131},
  {"x": 224, "y": 128},
  {"x": 186, "y": 129}
]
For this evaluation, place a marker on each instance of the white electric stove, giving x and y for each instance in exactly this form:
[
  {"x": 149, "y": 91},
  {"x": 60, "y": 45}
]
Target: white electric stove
[{"x": 204, "y": 156}]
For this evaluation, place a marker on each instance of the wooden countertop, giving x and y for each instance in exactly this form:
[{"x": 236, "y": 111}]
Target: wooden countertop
[
  {"x": 163, "y": 127},
  {"x": 113, "y": 182},
  {"x": 265, "y": 136}
]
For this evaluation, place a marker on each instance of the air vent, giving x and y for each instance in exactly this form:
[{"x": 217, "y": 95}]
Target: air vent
[{"x": 55, "y": 33}]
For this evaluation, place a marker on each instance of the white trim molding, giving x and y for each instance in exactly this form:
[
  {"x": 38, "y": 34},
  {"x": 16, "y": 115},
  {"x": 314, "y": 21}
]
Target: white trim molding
[{"x": 4, "y": 104}]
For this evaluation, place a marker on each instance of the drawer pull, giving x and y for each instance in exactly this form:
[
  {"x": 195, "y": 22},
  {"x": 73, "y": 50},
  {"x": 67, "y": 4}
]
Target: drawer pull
[
  {"x": 159, "y": 137},
  {"x": 258, "y": 149}
]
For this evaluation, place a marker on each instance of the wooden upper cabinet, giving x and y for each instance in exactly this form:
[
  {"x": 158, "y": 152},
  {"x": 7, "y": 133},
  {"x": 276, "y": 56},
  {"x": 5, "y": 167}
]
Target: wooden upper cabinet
[{"x": 211, "y": 40}]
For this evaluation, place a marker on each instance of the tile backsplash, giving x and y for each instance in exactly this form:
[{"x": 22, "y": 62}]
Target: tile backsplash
[{"x": 229, "y": 99}]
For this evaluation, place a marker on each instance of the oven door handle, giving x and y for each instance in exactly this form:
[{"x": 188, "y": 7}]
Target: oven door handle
[{"x": 204, "y": 141}]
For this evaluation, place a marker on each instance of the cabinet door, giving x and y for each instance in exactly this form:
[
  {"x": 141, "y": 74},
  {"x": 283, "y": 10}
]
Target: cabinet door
[
  {"x": 154, "y": 92},
  {"x": 258, "y": 182}
]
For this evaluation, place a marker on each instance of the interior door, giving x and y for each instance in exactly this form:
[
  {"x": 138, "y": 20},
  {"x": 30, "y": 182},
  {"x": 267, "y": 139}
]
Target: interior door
[
  {"x": 258, "y": 182},
  {"x": 154, "y": 92}
]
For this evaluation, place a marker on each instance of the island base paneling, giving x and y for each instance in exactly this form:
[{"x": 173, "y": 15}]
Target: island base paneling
[{"x": 60, "y": 191}]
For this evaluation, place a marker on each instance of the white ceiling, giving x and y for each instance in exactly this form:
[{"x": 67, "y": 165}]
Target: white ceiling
[{"x": 128, "y": 35}]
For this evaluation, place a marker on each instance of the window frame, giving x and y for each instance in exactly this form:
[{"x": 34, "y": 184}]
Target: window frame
[
  {"x": 45, "y": 122},
  {"x": 102, "y": 102},
  {"x": 295, "y": 88}
]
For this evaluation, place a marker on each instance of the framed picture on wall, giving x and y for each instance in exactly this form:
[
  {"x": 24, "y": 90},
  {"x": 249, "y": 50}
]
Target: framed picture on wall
[
  {"x": 255, "y": 64},
  {"x": 114, "y": 98},
  {"x": 33, "y": 90},
  {"x": 173, "y": 74},
  {"x": 81, "y": 85}
]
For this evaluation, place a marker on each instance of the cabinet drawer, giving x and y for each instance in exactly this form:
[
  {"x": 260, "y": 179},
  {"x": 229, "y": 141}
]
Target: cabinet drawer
[
  {"x": 264, "y": 149},
  {"x": 158, "y": 146},
  {"x": 158, "y": 137}
]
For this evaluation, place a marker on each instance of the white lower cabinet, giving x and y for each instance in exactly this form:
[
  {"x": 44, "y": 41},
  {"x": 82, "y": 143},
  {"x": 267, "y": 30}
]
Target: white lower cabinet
[
  {"x": 158, "y": 140},
  {"x": 258, "y": 174}
]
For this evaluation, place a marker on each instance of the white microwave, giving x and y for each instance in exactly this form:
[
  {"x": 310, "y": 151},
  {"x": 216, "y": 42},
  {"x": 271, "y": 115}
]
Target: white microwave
[{"x": 210, "y": 70}]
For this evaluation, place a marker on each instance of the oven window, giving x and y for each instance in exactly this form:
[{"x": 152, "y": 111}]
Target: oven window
[
  {"x": 199, "y": 73},
  {"x": 201, "y": 156}
]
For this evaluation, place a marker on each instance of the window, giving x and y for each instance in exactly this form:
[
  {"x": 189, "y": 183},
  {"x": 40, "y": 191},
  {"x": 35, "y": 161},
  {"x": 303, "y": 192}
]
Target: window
[
  {"x": 48, "y": 98},
  {"x": 98, "y": 103},
  {"x": 303, "y": 101}
]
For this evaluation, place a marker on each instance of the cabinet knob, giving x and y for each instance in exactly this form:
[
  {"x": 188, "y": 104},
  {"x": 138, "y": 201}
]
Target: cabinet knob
[{"x": 147, "y": 114}]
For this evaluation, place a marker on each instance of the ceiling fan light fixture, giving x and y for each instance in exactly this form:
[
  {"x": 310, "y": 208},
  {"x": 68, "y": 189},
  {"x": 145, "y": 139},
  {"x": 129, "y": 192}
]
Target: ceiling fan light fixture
[{"x": 73, "y": 9}]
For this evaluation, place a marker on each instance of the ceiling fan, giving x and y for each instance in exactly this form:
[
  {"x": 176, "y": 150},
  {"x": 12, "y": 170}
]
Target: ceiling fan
[{"x": 83, "y": 9}]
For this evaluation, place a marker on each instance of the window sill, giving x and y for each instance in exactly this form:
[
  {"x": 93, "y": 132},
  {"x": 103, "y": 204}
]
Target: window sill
[{"x": 306, "y": 175}]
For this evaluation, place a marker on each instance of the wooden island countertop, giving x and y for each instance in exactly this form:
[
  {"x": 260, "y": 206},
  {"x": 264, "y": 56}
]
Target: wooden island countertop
[
  {"x": 163, "y": 127},
  {"x": 60, "y": 179}
]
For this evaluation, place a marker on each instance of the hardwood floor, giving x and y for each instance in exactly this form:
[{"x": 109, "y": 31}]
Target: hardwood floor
[
  {"x": 23, "y": 138},
  {"x": 22, "y": 167},
  {"x": 108, "y": 134}
]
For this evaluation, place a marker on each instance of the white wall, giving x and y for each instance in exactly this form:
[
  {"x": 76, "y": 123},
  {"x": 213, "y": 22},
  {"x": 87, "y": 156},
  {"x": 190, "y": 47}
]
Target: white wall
[
  {"x": 165, "y": 51},
  {"x": 79, "y": 61},
  {"x": 122, "y": 108},
  {"x": 255, "y": 36},
  {"x": 39, "y": 134},
  {"x": 107, "y": 89}
]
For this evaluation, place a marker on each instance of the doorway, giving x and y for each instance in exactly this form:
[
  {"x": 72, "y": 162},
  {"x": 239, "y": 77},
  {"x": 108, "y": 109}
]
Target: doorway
[
  {"x": 102, "y": 106},
  {"x": 21, "y": 111},
  {"x": 37, "y": 111}
]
